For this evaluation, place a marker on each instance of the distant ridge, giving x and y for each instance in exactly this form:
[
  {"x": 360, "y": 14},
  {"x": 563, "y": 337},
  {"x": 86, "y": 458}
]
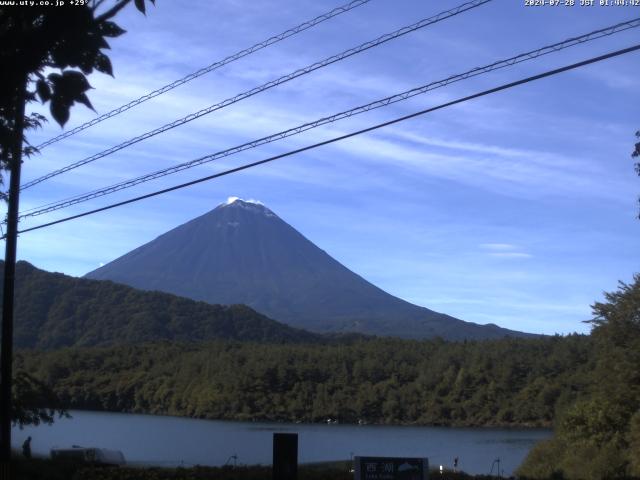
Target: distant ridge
[
  {"x": 53, "y": 310},
  {"x": 243, "y": 253}
]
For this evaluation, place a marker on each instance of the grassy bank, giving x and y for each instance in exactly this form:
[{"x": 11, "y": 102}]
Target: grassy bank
[{"x": 45, "y": 469}]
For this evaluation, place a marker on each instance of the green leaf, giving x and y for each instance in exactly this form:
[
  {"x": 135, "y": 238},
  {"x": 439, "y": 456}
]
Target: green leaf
[
  {"x": 44, "y": 92},
  {"x": 111, "y": 29},
  {"x": 75, "y": 82},
  {"x": 83, "y": 99},
  {"x": 59, "y": 111},
  {"x": 86, "y": 62},
  {"x": 140, "y": 5},
  {"x": 102, "y": 43},
  {"x": 54, "y": 78},
  {"x": 103, "y": 64}
]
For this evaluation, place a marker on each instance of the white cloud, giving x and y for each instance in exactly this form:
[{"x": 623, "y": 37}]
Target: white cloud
[
  {"x": 504, "y": 250},
  {"x": 510, "y": 255},
  {"x": 498, "y": 246}
]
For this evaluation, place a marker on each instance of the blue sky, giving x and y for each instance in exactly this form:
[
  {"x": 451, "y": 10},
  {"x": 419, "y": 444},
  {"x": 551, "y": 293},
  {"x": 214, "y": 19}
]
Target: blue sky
[{"x": 518, "y": 208}]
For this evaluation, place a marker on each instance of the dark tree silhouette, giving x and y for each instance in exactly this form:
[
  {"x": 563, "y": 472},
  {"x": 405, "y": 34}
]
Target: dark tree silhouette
[
  {"x": 636, "y": 154},
  {"x": 69, "y": 40},
  {"x": 34, "y": 402},
  {"x": 46, "y": 53}
]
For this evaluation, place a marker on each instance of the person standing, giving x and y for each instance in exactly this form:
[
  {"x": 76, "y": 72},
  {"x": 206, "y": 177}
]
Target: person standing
[{"x": 26, "y": 448}]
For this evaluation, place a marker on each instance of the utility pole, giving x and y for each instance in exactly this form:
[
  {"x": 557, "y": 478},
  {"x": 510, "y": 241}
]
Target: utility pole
[{"x": 6, "y": 343}]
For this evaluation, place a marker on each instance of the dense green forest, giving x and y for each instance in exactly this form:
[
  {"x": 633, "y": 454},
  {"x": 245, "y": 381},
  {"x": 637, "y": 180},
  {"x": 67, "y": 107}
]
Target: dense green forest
[
  {"x": 53, "y": 310},
  {"x": 599, "y": 435},
  {"x": 500, "y": 382},
  {"x": 586, "y": 387}
]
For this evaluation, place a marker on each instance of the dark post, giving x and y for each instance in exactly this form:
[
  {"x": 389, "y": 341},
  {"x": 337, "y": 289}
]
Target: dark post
[
  {"x": 6, "y": 345},
  {"x": 285, "y": 456}
]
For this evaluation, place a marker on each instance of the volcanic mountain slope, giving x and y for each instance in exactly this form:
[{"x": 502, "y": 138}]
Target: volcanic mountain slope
[
  {"x": 243, "y": 253},
  {"x": 53, "y": 310}
]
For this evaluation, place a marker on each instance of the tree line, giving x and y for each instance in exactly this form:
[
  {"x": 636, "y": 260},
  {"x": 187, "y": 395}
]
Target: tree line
[
  {"x": 515, "y": 382},
  {"x": 586, "y": 386}
]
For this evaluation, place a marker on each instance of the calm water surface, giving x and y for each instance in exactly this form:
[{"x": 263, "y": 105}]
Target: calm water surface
[{"x": 149, "y": 439}]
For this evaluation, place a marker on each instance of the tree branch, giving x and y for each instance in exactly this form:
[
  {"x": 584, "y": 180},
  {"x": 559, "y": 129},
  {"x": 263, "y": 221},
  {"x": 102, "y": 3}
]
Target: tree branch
[{"x": 96, "y": 4}]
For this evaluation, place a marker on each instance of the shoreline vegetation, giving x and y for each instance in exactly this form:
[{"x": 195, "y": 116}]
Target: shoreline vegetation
[
  {"x": 69, "y": 414},
  {"x": 495, "y": 384},
  {"x": 588, "y": 387},
  {"x": 45, "y": 469}
]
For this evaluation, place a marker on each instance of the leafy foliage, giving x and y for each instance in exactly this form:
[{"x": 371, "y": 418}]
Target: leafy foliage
[
  {"x": 35, "y": 39},
  {"x": 55, "y": 470},
  {"x": 501, "y": 382},
  {"x": 599, "y": 436},
  {"x": 33, "y": 401},
  {"x": 49, "y": 52}
]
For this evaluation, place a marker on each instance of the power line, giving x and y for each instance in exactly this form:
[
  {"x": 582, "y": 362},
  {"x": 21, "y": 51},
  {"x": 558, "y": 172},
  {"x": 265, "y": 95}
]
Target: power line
[
  {"x": 273, "y": 83},
  {"x": 343, "y": 137},
  {"x": 214, "y": 66},
  {"x": 36, "y": 211}
]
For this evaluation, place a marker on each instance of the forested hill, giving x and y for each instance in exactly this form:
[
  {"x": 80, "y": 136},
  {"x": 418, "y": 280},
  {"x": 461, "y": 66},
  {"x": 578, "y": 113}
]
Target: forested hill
[
  {"x": 517, "y": 382},
  {"x": 53, "y": 310}
]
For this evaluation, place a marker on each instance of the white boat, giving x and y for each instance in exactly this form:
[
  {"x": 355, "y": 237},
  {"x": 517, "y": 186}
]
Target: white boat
[{"x": 100, "y": 456}]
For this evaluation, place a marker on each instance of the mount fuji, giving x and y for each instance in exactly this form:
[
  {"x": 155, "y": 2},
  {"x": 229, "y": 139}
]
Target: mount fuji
[{"x": 243, "y": 253}]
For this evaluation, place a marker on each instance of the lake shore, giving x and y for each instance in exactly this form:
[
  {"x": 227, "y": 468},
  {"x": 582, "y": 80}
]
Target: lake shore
[
  {"x": 546, "y": 425},
  {"x": 161, "y": 441},
  {"x": 45, "y": 469}
]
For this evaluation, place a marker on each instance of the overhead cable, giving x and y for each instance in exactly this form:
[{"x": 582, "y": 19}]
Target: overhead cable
[
  {"x": 214, "y": 66},
  {"x": 533, "y": 54},
  {"x": 273, "y": 83},
  {"x": 506, "y": 86}
]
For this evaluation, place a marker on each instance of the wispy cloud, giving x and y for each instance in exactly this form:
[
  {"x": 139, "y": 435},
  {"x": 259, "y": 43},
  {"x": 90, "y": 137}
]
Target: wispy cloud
[
  {"x": 504, "y": 250},
  {"x": 498, "y": 246},
  {"x": 510, "y": 255}
]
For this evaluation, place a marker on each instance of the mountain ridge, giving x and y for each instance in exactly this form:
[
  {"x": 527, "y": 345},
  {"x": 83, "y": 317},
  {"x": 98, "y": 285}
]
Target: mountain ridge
[
  {"x": 53, "y": 310},
  {"x": 243, "y": 253}
]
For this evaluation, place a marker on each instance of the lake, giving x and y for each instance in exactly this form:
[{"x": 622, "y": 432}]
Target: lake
[{"x": 169, "y": 441}]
